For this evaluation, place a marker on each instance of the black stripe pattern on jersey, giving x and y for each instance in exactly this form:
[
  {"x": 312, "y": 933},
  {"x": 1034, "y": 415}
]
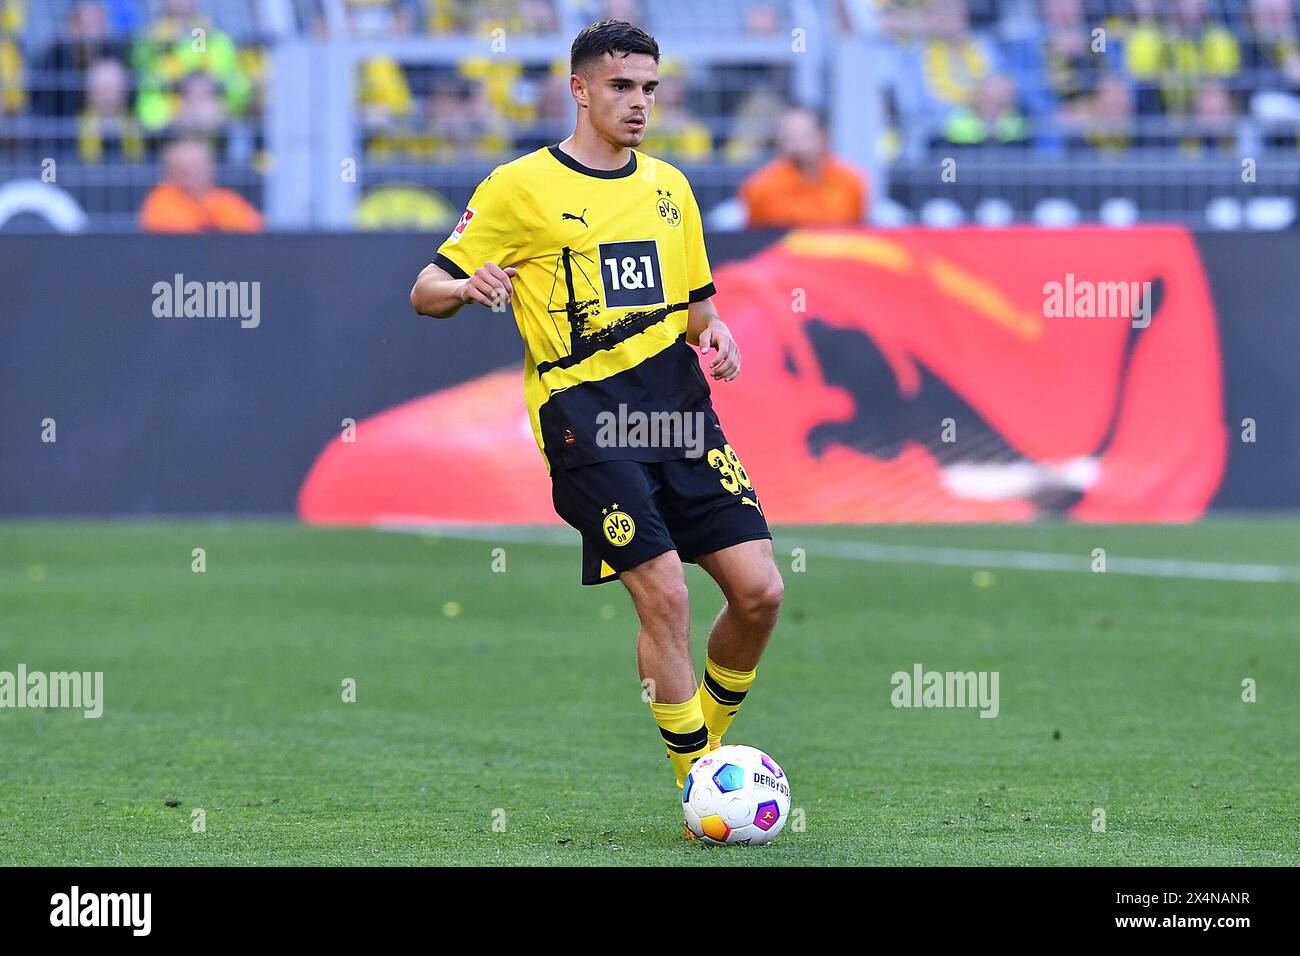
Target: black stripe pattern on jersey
[{"x": 578, "y": 311}]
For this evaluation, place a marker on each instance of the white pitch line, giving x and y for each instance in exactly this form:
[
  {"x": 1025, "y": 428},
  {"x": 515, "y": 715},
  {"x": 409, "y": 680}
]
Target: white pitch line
[
  {"x": 1049, "y": 561},
  {"x": 510, "y": 533},
  {"x": 907, "y": 554}
]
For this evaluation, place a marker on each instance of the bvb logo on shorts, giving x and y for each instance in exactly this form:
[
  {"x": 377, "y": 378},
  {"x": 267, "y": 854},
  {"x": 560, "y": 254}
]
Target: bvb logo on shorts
[{"x": 619, "y": 528}]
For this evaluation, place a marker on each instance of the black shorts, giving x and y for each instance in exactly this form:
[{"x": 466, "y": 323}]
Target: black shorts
[{"x": 631, "y": 511}]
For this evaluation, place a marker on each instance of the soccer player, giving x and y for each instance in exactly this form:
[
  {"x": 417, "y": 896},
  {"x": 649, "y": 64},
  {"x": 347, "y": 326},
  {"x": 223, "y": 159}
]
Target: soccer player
[{"x": 600, "y": 250}]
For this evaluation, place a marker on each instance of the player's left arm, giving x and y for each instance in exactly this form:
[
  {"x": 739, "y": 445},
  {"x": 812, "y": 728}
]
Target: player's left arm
[{"x": 705, "y": 329}]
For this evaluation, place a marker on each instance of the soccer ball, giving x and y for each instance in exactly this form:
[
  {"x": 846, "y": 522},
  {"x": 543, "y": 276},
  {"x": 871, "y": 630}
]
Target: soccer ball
[{"x": 736, "y": 794}]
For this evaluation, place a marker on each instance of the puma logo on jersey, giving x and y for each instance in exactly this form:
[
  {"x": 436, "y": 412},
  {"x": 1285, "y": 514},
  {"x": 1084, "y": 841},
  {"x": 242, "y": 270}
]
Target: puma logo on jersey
[
  {"x": 582, "y": 219},
  {"x": 746, "y": 501}
]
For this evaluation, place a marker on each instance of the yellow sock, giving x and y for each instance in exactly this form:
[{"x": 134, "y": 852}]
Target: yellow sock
[
  {"x": 682, "y": 727},
  {"x": 720, "y": 695}
]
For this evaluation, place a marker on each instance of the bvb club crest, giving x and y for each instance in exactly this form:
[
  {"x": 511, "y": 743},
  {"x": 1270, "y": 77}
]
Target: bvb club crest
[
  {"x": 619, "y": 527},
  {"x": 667, "y": 209}
]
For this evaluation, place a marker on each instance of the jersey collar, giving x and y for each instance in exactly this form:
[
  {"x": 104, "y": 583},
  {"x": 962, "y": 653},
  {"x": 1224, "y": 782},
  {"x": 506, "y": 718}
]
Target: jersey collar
[{"x": 578, "y": 167}]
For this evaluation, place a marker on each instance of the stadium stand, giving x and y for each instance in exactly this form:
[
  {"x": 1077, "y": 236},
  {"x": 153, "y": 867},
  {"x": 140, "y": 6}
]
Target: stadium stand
[{"x": 976, "y": 110}]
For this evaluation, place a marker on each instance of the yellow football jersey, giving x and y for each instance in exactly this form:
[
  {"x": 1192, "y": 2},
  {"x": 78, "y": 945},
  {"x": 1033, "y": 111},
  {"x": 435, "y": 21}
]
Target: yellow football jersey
[{"x": 608, "y": 262}]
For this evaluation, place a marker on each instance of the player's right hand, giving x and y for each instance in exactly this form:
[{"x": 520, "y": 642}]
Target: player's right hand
[{"x": 489, "y": 285}]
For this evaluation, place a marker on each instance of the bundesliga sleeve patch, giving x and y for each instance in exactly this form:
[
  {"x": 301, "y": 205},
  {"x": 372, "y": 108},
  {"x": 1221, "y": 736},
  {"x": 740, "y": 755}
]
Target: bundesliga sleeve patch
[{"x": 462, "y": 225}]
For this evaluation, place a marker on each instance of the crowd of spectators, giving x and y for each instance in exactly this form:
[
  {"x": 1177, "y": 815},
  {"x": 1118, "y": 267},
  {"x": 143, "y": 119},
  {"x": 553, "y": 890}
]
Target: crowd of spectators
[
  {"x": 1107, "y": 75},
  {"x": 114, "y": 86},
  {"x": 122, "y": 81},
  {"x": 1100, "y": 76},
  {"x": 1197, "y": 77},
  {"x": 495, "y": 106},
  {"x": 131, "y": 84}
]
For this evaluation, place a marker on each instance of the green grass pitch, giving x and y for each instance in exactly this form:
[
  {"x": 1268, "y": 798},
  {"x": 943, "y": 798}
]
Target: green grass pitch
[{"x": 498, "y": 716}]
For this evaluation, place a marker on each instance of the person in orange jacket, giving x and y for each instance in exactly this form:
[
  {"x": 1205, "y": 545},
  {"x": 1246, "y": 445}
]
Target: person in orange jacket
[
  {"x": 804, "y": 185},
  {"x": 188, "y": 200}
]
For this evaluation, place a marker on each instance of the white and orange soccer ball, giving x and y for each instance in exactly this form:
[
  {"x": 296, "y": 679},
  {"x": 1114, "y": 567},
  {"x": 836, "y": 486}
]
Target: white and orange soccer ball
[{"x": 736, "y": 795}]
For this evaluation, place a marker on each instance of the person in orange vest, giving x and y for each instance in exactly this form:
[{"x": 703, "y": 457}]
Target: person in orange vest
[
  {"x": 188, "y": 200},
  {"x": 804, "y": 185}
]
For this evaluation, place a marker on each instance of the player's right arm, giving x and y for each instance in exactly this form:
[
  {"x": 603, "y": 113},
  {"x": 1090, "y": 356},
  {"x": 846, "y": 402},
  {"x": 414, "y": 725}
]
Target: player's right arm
[
  {"x": 466, "y": 268},
  {"x": 439, "y": 294}
]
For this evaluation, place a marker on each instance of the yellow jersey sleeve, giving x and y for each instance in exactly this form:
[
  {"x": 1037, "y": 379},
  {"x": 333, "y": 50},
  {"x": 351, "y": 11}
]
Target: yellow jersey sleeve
[
  {"x": 699, "y": 278},
  {"x": 488, "y": 231}
]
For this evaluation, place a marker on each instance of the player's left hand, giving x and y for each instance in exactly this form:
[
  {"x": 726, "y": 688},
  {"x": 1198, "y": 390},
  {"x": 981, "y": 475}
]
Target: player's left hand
[{"x": 726, "y": 364}]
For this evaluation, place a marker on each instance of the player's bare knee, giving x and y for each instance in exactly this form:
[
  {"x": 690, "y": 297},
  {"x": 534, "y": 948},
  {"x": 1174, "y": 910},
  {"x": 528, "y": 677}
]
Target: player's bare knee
[
  {"x": 775, "y": 592},
  {"x": 661, "y": 598},
  {"x": 666, "y": 633},
  {"x": 670, "y": 603},
  {"x": 760, "y": 602}
]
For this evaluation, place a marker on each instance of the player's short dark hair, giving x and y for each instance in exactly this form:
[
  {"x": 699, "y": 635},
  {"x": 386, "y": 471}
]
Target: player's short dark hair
[{"x": 615, "y": 37}]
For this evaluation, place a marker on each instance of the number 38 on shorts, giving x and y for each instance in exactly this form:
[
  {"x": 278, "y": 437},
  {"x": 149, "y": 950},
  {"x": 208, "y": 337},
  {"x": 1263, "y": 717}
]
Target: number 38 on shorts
[{"x": 726, "y": 461}]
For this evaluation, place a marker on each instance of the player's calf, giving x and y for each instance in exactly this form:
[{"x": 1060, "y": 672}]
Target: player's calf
[
  {"x": 748, "y": 577},
  {"x": 658, "y": 589}
]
